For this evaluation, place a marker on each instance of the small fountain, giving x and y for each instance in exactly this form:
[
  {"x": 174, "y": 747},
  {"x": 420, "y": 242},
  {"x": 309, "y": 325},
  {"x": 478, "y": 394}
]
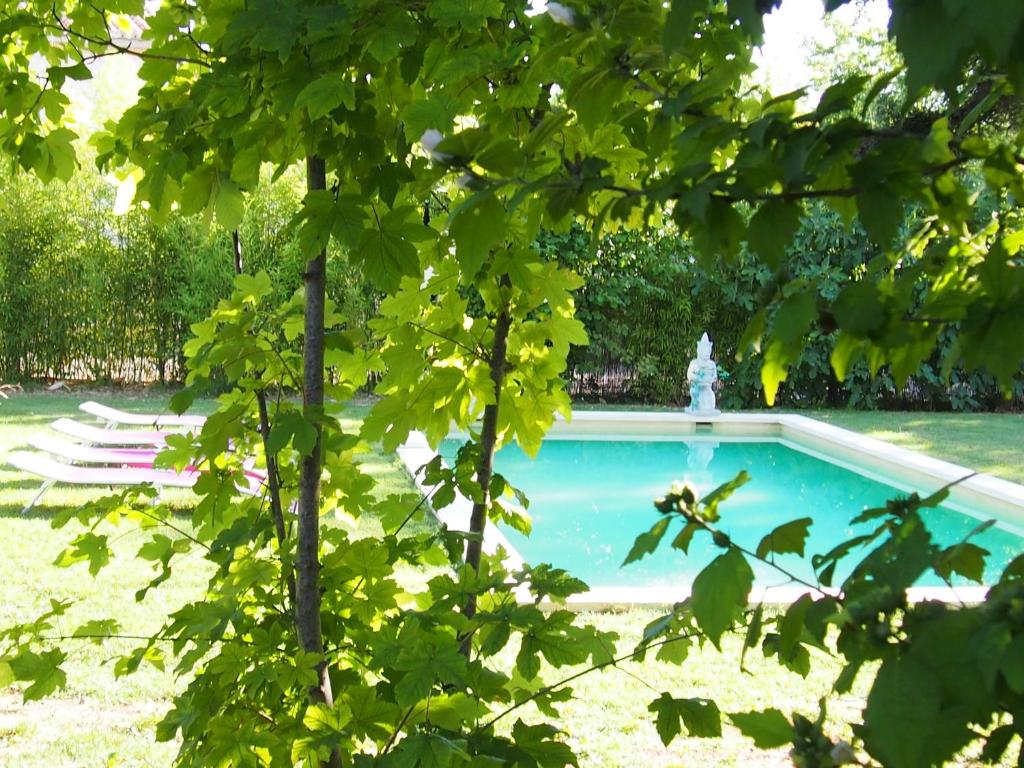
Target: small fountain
[{"x": 702, "y": 374}]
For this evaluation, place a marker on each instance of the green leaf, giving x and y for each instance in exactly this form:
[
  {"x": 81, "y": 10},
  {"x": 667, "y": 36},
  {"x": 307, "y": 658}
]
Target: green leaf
[
  {"x": 97, "y": 630},
  {"x": 538, "y": 744},
  {"x": 477, "y": 226},
  {"x": 768, "y": 729},
  {"x": 43, "y": 670},
  {"x": 880, "y": 84},
  {"x": 750, "y": 15},
  {"x": 390, "y": 34},
  {"x": 931, "y": 42},
  {"x": 720, "y": 232},
  {"x": 593, "y": 93},
  {"x": 902, "y": 715},
  {"x": 720, "y": 593},
  {"x": 1012, "y": 664},
  {"x": 646, "y": 543},
  {"x": 229, "y": 205},
  {"x": 936, "y": 149},
  {"x": 965, "y": 559},
  {"x": 685, "y": 537},
  {"x": 371, "y": 717},
  {"x": 182, "y": 400},
  {"x": 772, "y": 229},
  {"x": 429, "y": 750},
  {"x": 348, "y": 219},
  {"x": 679, "y": 25},
  {"x": 388, "y": 251},
  {"x": 787, "y": 538},
  {"x": 674, "y": 652},
  {"x": 88, "y": 546},
  {"x": 791, "y": 627},
  {"x": 859, "y": 309},
  {"x": 470, "y": 15},
  {"x": 881, "y": 213},
  {"x": 292, "y": 427},
  {"x": 996, "y": 743},
  {"x": 846, "y": 351},
  {"x": 711, "y": 501},
  {"x": 429, "y": 660},
  {"x": 325, "y": 94},
  {"x": 792, "y": 320},
  {"x": 754, "y": 631},
  {"x": 321, "y": 717},
  {"x": 839, "y": 97},
  {"x": 60, "y": 145},
  {"x": 701, "y": 717}
]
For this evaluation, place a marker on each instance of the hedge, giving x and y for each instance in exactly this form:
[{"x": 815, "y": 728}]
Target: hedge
[
  {"x": 89, "y": 295},
  {"x": 647, "y": 300}
]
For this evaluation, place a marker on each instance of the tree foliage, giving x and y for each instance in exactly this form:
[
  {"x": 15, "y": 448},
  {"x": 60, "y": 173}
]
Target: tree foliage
[
  {"x": 944, "y": 669},
  {"x": 620, "y": 114}
]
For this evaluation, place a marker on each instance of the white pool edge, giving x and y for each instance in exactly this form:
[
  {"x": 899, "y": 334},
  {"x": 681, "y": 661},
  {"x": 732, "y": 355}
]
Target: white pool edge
[{"x": 868, "y": 455}]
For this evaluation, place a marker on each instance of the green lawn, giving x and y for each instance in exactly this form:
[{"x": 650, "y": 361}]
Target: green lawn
[
  {"x": 986, "y": 442},
  {"x": 98, "y": 721}
]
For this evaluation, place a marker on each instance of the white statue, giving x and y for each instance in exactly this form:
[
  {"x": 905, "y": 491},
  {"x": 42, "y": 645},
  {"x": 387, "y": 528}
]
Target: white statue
[{"x": 702, "y": 374}]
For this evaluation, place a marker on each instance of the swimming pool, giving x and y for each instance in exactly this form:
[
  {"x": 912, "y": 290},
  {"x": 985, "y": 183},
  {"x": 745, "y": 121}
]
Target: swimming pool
[
  {"x": 589, "y": 499},
  {"x": 592, "y": 485}
]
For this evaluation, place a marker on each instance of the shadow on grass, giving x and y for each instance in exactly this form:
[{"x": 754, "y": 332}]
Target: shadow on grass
[
  {"x": 24, "y": 484},
  {"x": 38, "y": 512},
  {"x": 44, "y": 511}
]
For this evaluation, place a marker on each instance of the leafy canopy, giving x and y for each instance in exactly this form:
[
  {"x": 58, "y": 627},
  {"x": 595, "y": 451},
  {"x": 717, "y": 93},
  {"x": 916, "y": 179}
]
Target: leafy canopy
[{"x": 453, "y": 133}]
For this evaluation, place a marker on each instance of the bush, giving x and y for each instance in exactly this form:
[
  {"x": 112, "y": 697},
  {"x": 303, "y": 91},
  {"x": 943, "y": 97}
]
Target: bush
[
  {"x": 641, "y": 313},
  {"x": 647, "y": 299},
  {"x": 87, "y": 294}
]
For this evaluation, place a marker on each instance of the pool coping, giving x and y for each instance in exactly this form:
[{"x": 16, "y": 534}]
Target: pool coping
[{"x": 867, "y": 455}]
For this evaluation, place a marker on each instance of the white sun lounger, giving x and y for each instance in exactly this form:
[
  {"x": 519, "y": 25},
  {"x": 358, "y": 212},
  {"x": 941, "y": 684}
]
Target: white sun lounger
[
  {"x": 116, "y": 417},
  {"x": 142, "y": 458},
  {"x": 97, "y": 436},
  {"x": 58, "y": 472},
  {"x": 143, "y": 447},
  {"x": 52, "y": 472},
  {"x": 87, "y": 454}
]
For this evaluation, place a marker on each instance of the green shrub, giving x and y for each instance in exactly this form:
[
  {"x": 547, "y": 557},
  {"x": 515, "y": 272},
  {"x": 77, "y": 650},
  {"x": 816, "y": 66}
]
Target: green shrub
[
  {"x": 647, "y": 299},
  {"x": 87, "y": 294}
]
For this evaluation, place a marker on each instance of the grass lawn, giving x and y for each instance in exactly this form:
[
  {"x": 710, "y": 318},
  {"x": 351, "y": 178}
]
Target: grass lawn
[
  {"x": 98, "y": 721},
  {"x": 986, "y": 442}
]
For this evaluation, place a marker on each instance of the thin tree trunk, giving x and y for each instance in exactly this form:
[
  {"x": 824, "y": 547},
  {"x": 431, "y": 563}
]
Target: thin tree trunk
[
  {"x": 485, "y": 463},
  {"x": 274, "y": 489},
  {"x": 307, "y": 557},
  {"x": 273, "y": 478}
]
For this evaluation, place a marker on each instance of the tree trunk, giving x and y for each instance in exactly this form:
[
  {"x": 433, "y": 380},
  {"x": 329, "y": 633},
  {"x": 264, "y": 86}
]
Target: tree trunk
[
  {"x": 273, "y": 477},
  {"x": 485, "y": 463},
  {"x": 274, "y": 489},
  {"x": 307, "y": 556}
]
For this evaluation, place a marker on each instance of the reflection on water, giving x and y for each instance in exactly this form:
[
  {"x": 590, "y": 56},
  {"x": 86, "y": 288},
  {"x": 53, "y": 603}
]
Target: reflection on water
[{"x": 590, "y": 499}]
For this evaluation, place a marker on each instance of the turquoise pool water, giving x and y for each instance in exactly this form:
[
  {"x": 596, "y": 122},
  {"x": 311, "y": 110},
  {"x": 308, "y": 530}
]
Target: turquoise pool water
[{"x": 589, "y": 499}]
